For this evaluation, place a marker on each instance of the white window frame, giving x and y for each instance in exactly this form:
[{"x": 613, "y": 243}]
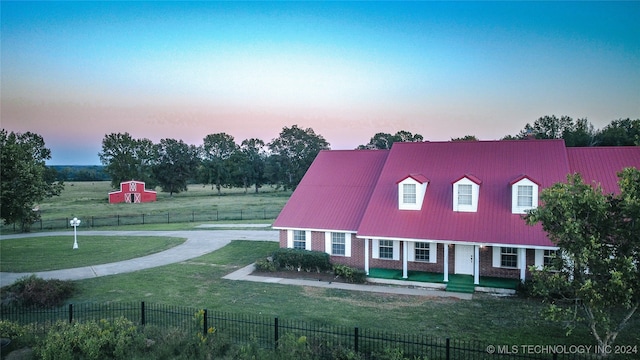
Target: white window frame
[
  {"x": 375, "y": 251},
  {"x": 307, "y": 239},
  {"x": 467, "y": 194},
  {"x": 540, "y": 257},
  {"x": 409, "y": 194},
  {"x": 328, "y": 243},
  {"x": 421, "y": 189},
  {"x": 518, "y": 209},
  {"x": 497, "y": 257},
  {"x": 433, "y": 252},
  {"x": 475, "y": 193}
]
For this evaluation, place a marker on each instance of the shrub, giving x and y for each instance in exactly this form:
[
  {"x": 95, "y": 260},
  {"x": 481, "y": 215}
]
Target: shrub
[
  {"x": 350, "y": 274},
  {"x": 91, "y": 340},
  {"x": 292, "y": 347},
  {"x": 343, "y": 353},
  {"x": 266, "y": 265},
  {"x": 20, "y": 335},
  {"x": 393, "y": 354},
  {"x": 296, "y": 259},
  {"x": 32, "y": 291}
]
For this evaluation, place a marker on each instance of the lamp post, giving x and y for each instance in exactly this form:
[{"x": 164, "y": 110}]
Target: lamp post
[{"x": 75, "y": 222}]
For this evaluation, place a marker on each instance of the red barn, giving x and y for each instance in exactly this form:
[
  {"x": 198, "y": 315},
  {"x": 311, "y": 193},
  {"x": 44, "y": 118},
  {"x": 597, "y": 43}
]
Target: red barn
[{"x": 132, "y": 192}]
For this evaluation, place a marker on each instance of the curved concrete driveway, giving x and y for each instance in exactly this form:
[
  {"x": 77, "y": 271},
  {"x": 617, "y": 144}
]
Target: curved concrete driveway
[{"x": 199, "y": 242}]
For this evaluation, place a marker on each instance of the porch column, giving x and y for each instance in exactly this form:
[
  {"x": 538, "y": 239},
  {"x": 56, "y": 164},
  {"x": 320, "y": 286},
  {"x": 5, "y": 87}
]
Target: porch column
[
  {"x": 476, "y": 265},
  {"x": 522, "y": 257},
  {"x": 446, "y": 262},
  {"x": 366, "y": 256},
  {"x": 405, "y": 255}
]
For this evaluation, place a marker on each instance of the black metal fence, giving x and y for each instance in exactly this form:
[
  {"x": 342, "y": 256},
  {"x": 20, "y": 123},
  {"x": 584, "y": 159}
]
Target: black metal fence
[
  {"x": 160, "y": 218},
  {"x": 266, "y": 332}
]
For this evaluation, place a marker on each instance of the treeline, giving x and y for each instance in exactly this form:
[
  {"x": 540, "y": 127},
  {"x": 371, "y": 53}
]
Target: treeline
[
  {"x": 80, "y": 173},
  {"x": 580, "y": 132},
  {"x": 219, "y": 161}
]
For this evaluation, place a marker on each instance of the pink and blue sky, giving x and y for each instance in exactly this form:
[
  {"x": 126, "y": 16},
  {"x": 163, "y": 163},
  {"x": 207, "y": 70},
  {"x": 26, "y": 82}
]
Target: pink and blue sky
[{"x": 76, "y": 71}]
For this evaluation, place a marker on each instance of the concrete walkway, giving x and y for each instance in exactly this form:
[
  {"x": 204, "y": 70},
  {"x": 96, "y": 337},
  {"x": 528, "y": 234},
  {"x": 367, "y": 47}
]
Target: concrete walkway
[
  {"x": 245, "y": 274},
  {"x": 198, "y": 243}
]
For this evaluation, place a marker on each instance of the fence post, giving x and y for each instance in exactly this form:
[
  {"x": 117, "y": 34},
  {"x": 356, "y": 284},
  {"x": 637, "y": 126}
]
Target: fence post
[
  {"x": 70, "y": 313},
  {"x": 217, "y": 218},
  {"x": 142, "y": 314},
  {"x": 205, "y": 326},
  {"x": 355, "y": 339},
  {"x": 240, "y": 214},
  {"x": 264, "y": 213},
  {"x": 67, "y": 223},
  {"x": 447, "y": 347},
  {"x": 118, "y": 219},
  {"x": 275, "y": 332},
  {"x": 168, "y": 218},
  {"x": 142, "y": 218},
  {"x": 92, "y": 222}
]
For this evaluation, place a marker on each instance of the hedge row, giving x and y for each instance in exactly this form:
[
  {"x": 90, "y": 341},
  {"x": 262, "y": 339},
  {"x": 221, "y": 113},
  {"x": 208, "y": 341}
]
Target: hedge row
[{"x": 309, "y": 261}]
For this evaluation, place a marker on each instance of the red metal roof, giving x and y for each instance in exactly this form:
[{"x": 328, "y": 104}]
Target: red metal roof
[
  {"x": 334, "y": 192},
  {"x": 356, "y": 190},
  {"x": 600, "y": 165},
  {"x": 470, "y": 177},
  {"x": 497, "y": 163},
  {"x": 421, "y": 179}
]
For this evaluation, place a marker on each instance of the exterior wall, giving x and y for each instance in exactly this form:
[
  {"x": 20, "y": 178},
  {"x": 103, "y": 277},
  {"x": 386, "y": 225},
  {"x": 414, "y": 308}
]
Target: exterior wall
[
  {"x": 283, "y": 238},
  {"x": 436, "y": 267},
  {"x": 357, "y": 260},
  {"x": 317, "y": 241},
  {"x": 487, "y": 269}
]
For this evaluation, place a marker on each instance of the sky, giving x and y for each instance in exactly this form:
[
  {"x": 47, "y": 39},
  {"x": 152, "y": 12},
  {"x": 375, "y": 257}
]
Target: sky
[{"x": 74, "y": 72}]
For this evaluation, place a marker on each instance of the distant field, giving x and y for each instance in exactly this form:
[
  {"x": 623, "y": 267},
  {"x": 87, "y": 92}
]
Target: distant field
[{"x": 87, "y": 199}]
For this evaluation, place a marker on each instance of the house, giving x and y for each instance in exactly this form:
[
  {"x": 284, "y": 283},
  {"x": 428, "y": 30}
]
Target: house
[
  {"x": 439, "y": 207},
  {"x": 132, "y": 192}
]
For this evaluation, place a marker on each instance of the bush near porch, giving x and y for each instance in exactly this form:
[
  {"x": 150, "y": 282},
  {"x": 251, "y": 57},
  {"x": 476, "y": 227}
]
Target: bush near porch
[{"x": 297, "y": 260}]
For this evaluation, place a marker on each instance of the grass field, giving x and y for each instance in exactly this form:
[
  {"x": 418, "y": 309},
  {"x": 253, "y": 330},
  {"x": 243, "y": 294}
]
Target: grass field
[
  {"x": 198, "y": 283},
  {"x": 86, "y": 199}
]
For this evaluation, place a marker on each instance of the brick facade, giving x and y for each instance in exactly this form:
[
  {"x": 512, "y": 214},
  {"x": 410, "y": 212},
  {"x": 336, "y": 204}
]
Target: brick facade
[{"x": 356, "y": 259}]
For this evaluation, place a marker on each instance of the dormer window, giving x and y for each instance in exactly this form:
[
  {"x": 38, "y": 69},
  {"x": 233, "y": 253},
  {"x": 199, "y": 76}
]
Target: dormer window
[
  {"x": 466, "y": 191},
  {"x": 408, "y": 193},
  {"x": 464, "y": 194},
  {"x": 524, "y": 195},
  {"x": 411, "y": 192}
]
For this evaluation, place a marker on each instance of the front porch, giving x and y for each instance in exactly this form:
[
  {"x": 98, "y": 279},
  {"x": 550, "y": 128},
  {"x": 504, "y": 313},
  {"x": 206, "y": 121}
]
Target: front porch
[{"x": 456, "y": 283}]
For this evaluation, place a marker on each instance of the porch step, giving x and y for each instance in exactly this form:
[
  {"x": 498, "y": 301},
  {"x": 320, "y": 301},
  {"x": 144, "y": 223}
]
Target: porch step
[
  {"x": 461, "y": 283},
  {"x": 461, "y": 288}
]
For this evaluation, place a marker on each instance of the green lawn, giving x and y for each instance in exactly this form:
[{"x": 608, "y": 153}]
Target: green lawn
[
  {"x": 197, "y": 283},
  {"x": 55, "y": 252}
]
